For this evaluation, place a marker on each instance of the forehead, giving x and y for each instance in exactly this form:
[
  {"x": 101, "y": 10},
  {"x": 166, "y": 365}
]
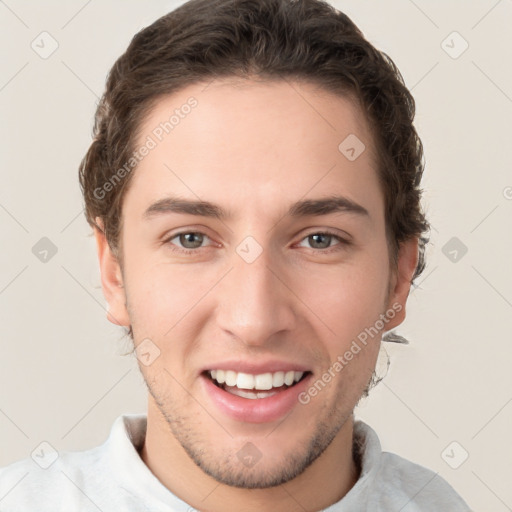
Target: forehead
[
  {"x": 300, "y": 112},
  {"x": 242, "y": 142}
]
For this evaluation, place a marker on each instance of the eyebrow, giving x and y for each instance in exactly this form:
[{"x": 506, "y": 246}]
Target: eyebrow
[{"x": 308, "y": 207}]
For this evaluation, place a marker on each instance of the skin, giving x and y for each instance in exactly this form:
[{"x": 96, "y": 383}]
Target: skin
[{"x": 254, "y": 148}]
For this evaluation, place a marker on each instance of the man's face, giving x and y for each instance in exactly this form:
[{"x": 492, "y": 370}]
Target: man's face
[{"x": 259, "y": 287}]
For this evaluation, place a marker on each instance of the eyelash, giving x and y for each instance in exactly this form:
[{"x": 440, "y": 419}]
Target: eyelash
[{"x": 342, "y": 242}]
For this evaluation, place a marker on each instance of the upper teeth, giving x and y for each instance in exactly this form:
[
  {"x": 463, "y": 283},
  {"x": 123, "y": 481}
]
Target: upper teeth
[{"x": 262, "y": 381}]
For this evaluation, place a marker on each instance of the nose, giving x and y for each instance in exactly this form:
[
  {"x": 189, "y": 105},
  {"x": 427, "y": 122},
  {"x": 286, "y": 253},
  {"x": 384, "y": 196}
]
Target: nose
[{"x": 255, "y": 301}]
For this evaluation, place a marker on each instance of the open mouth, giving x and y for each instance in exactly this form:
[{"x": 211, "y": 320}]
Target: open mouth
[{"x": 255, "y": 386}]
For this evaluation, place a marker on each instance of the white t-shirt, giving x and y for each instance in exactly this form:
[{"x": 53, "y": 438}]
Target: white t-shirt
[{"x": 113, "y": 477}]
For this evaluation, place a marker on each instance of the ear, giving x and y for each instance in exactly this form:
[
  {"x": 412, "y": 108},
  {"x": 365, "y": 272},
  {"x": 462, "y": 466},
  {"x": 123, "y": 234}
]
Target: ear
[
  {"x": 401, "y": 281},
  {"x": 111, "y": 279}
]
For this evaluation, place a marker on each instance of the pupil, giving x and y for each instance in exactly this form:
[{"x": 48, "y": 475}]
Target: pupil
[
  {"x": 314, "y": 237},
  {"x": 189, "y": 238}
]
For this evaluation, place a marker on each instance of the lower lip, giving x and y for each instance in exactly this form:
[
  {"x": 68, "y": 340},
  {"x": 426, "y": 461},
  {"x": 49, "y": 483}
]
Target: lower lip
[{"x": 259, "y": 410}]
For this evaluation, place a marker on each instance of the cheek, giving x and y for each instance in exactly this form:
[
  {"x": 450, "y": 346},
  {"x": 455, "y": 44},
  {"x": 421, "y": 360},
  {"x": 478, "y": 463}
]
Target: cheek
[
  {"x": 160, "y": 296},
  {"x": 349, "y": 299},
  {"x": 167, "y": 298}
]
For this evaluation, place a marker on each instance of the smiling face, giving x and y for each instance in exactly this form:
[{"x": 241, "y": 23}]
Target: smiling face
[{"x": 266, "y": 278}]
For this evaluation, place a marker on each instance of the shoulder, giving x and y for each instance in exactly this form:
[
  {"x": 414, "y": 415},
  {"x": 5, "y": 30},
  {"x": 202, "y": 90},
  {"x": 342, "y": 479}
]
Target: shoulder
[
  {"x": 415, "y": 487},
  {"x": 86, "y": 480},
  {"x": 394, "y": 483},
  {"x": 46, "y": 481}
]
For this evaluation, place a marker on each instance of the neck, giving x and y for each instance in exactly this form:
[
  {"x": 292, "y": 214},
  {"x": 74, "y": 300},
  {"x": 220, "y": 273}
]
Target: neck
[{"x": 323, "y": 483}]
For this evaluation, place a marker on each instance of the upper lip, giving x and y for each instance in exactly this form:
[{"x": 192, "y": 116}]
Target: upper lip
[{"x": 254, "y": 368}]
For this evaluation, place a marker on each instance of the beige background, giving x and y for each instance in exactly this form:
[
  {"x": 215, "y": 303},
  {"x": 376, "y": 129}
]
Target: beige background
[{"x": 62, "y": 376}]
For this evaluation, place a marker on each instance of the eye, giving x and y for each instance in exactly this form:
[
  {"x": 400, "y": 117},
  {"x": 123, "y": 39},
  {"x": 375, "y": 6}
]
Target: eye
[
  {"x": 189, "y": 240},
  {"x": 322, "y": 240}
]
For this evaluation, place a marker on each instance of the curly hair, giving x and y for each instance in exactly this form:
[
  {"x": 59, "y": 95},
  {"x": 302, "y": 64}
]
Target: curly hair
[{"x": 302, "y": 40}]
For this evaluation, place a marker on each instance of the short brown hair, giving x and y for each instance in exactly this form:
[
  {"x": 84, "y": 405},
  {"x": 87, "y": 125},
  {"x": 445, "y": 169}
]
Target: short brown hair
[{"x": 304, "y": 40}]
